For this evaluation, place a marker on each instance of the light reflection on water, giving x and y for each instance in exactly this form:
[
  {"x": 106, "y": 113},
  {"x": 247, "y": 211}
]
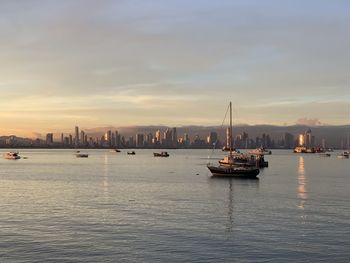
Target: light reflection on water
[{"x": 302, "y": 193}]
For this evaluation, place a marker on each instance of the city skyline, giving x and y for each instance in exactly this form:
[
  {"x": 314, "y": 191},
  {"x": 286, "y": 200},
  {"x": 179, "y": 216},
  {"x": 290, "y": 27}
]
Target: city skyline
[
  {"x": 244, "y": 137},
  {"x": 173, "y": 63}
]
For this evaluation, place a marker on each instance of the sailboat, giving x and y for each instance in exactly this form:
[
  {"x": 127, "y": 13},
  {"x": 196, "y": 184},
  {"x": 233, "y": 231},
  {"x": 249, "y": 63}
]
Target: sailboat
[{"x": 229, "y": 167}]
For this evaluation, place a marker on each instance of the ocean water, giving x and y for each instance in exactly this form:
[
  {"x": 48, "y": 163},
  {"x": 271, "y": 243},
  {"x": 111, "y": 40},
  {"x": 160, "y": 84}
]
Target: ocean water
[{"x": 113, "y": 207}]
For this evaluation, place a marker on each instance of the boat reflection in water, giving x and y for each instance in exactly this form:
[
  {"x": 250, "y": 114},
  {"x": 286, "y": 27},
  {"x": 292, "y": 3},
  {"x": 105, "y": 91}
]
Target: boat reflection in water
[
  {"x": 302, "y": 193},
  {"x": 231, "y": 191}
]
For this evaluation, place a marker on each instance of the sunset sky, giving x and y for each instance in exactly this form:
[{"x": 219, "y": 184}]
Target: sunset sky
[{"x": 172, "y": 62}]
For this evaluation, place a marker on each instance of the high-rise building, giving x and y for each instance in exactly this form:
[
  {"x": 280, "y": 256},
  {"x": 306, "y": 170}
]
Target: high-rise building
[
  {"x": 70, "y": 140},
  {"x": 158, "y": 137},
  {"x": 82, "y": 138},
  {"x": 62, "y": 138},
  {"x": 167, "y": 138},
  {"x": 117, "y": 139},
  {"x": 186, "y": 139},
  {"x": 174, "y": 137},
  {"x": 108, "y": 138},
  {"x": 309, "y": 141},
  {"x": 76, "y": 138},
  {"x": 149, "y": 139},
  {"x": 301, "y": 140},
  {"x": 288, "y": 141},
  {"x": 49, "y": 138},
  {"x": 212, "y": 138},
  {"x": 139, "y": 140}
]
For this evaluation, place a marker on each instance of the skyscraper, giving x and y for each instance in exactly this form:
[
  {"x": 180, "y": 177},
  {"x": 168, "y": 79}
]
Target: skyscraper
[
  {"x": 288, "y": 141},
  {"x": 212, "y": 138},
  {"x": 49, "y": 138},
  {"x": 108, "y": 138},
  {"x": 139, "y": 140},
  {"x": 82, "y": 138},
  {"x": 76, "y": 138},
  {"x": 174, "y": 137},
  {"x": 157, "y": 138},
  {"x": 301, "y": 140}
]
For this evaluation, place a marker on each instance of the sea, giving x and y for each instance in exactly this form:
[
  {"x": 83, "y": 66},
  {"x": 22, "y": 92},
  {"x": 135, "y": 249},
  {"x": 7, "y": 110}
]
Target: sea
[{"x": 114, "y": 207}]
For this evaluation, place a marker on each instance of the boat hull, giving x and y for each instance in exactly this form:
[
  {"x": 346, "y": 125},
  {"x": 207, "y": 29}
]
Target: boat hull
[
  {"x": 82, "y": 155},
  {"x": 160, "y": 155},
  {"x": 221, "y": 171}
]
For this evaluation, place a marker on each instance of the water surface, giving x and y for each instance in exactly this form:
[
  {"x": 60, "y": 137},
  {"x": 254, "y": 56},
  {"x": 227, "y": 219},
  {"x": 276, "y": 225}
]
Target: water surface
[{"x": 113, "y": 207}]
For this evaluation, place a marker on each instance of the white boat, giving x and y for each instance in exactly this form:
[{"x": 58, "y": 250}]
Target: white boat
[
  {"x": 12, "y": 156},
  {"x": 343, "y": 155},
  {"x": 260, "y": 151},
  {"x": 114, "y": 151}
]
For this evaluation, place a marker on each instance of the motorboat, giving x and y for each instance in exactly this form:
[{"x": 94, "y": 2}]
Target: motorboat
[
  {"x": 131, "y": 153},
  {"x": 303, "y": 149},
  {"x": 161, "y": 154},
  {"x": 81, "y": 155},
  {"x": 115, "y": 151},
  {"x": 260, "y": 151},
  {"x": 12, "y": 156},
  {"x": 343, "y": 155},
  {"x": 325, "y": 154}
]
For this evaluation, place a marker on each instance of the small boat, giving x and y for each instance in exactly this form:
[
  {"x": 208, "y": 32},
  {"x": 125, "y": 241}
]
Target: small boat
[
  {"x": 234, "y": 165},
  {"x": 343, "y": 155},
  {"x": 325, "y": 154},
  {"x": 161, "y": 154},
  {"x": 81, "y": 155},
  {"x": 114, "y": 151},
  {"x": 303, "y": 149},
  {"x": 12, "y": 156},
  {"x": 234, "y": 171},
  {"x": 260, "y": 151},
  {"x": 131, "y": 153}
]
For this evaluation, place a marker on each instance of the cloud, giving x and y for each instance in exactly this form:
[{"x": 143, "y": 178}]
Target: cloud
[{"x": 309, "y": 122}]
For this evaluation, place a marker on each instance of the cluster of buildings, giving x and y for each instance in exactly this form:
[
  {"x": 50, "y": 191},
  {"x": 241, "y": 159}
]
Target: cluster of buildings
[
  {"x": 113, "y": 139},
  {"x": 168, "y": 138}
]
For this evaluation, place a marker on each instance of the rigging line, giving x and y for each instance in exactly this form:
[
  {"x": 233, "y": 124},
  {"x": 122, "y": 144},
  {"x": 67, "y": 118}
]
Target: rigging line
[{"x": 215, "y": 143}]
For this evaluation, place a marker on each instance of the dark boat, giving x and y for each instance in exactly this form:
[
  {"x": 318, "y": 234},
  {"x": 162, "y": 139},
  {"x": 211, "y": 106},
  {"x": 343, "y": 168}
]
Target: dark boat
[
  {"x": 82, "y": 155},
  {"x": 230, "y": 167},
  {"x": 115, "y": 151},
  {"x": 234, "y": 171},
  {"x": 161, "y": 154},
  {"x": 131, "y": 153}
]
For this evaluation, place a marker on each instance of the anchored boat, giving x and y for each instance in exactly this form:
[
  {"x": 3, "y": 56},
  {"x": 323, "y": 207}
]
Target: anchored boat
[
  {"x": 12, "y": 156},
  {"x": 161, "y": 154},
  {"x": 230, "y": 166}
]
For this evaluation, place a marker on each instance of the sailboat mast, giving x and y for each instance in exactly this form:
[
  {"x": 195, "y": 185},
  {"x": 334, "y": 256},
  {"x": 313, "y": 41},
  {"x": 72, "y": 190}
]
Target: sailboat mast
[{"x": 230, "y": 129}]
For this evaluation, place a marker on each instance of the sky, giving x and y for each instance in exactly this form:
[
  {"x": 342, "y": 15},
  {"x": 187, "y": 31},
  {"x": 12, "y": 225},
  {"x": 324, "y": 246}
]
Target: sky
[{"x": 98, "y": 63}]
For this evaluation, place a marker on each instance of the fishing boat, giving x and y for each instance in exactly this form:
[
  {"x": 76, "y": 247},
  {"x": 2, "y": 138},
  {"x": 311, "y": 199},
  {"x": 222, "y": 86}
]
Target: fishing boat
[
  {"x": 161, "y": 154},
  {"x": 230, "y": 167},
  {"x": 12, "y": 156}
]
